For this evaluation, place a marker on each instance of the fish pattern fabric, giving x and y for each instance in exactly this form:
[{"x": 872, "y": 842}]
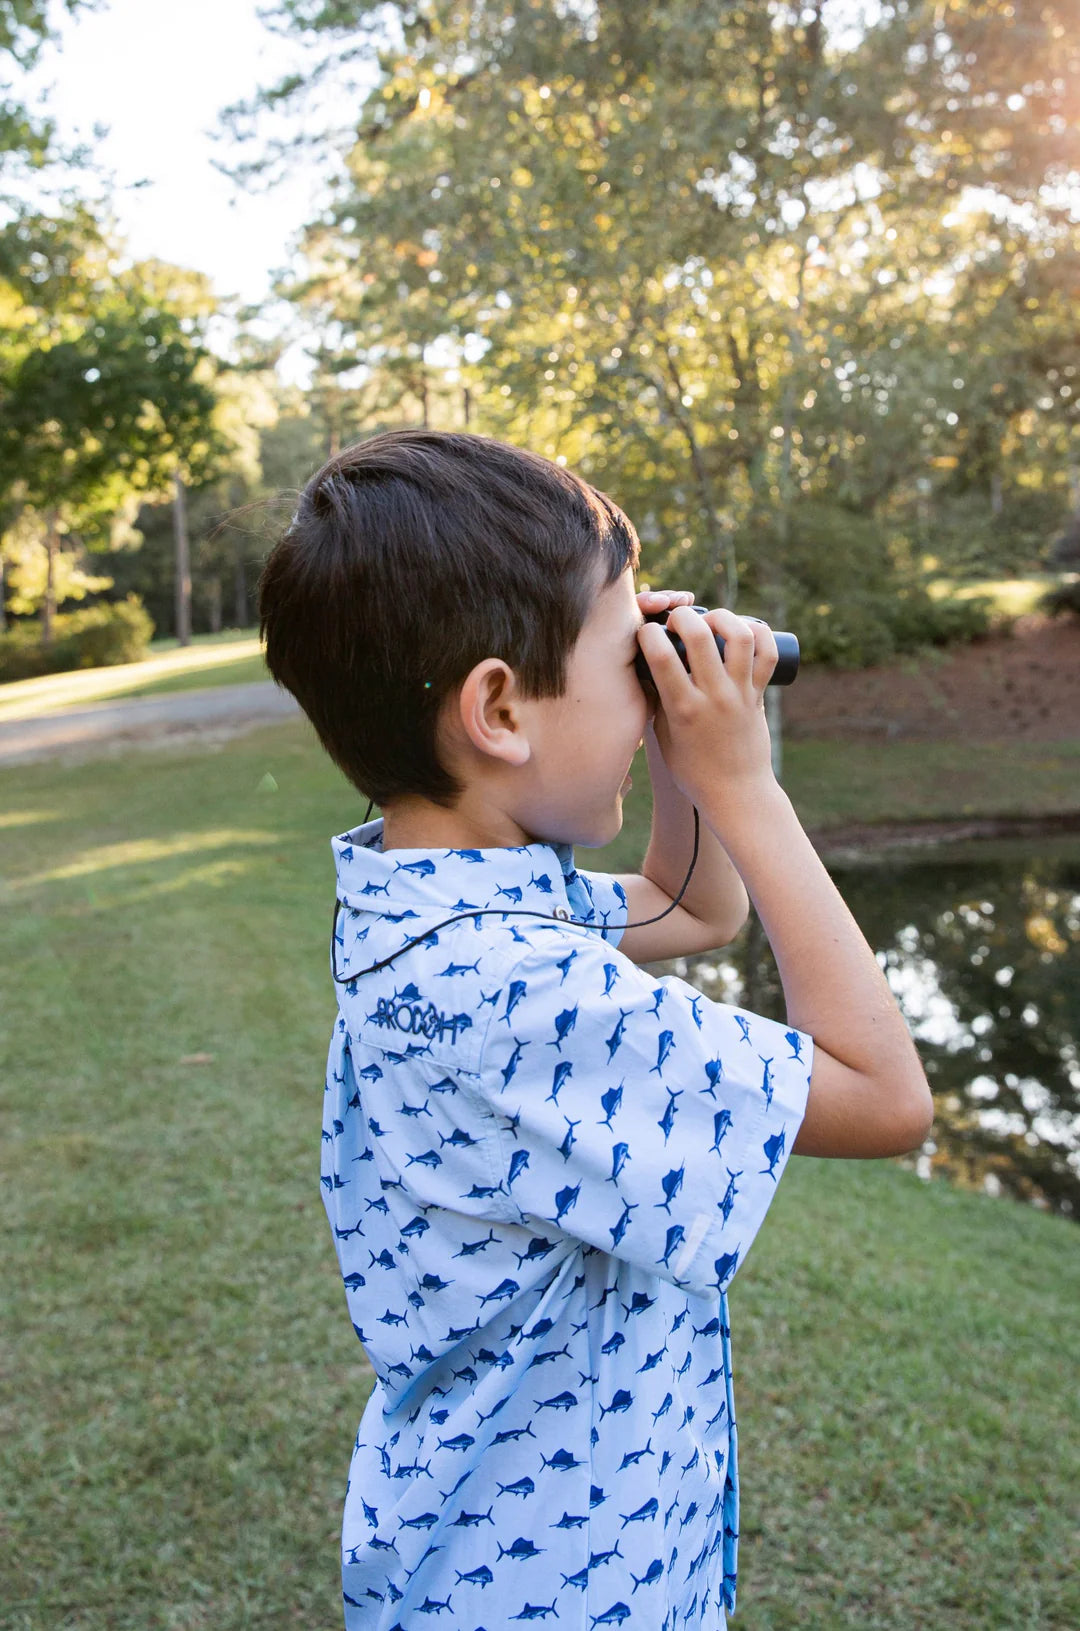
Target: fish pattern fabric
[{"x": 542, "y": 1167}]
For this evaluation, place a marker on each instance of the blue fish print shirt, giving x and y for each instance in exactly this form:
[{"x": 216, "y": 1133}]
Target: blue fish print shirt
[{"x": 542, "y": 1167}]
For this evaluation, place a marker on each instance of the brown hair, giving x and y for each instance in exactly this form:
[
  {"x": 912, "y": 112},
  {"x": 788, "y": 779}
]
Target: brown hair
[{"x": 412, "y": 556}]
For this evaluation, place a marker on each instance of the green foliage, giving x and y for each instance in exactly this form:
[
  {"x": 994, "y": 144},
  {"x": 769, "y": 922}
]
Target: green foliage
[
  {"x": 866, "y": 627},
  {"x": 1064, "y": 597},
  {"x": 96, "y": 637}
]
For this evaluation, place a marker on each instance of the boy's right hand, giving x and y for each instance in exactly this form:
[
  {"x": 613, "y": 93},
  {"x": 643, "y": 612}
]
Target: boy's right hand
[{"x": 710, "y": 724}]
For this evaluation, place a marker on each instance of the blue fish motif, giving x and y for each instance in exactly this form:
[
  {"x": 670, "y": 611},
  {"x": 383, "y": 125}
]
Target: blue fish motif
[
  {"x": 652, "y": 1574},
  {"x": 562, "y": 1461},
  {"x": 725, "y": 1267},
  {"x": 518, "y": 1162},
  {"x": 563, "y": 1070},
  {"x": 565, "y": 1199},
  {"x": 430, "y": 1158},
  {"x": 521, "y": 1549},
  {"x": 564, "y": 964},
  {"x": 671, "y": 1183},
  {"x": 543, "y": 883},
  {"x": 730, "y": 1193},
  {"x": 620, "y": 1155},
  {"x": 611, "y": 974},
  {"x": 505, "y": 1289},
  {"x": 794, "y": 1041},
  {"x": 614, "y": 1041},
  {"x": 571, "y": 1521},
  {"x": 564, "y": 1024},
  {"x": 647, "y": 1509},
  {"x": 524, "y": 1487},
  {"x": 481, "y": 1576},
  {"x": 767, "y": 1084},
  {"x": 559, "y": 1401},
  {"x": 665, "y": 1046},
  {"x": 695, "y": 1009},
  {"x": 474, "y": 855},
  {"x": 620, "y": 1400},
  {"x": 619, "y": 1229},
  {"x": 459, "y": 968},
  {"x": 370, "y": 1073},
  {"x": 773, "y": 1149},
  {"x": 422, "y": 869},
  {"x": 721, "y": 1123},
  {"x": 613, "y": 1343},
  {"x": 744, "y": 1027},
  {"x": 461, "y": 1441},
  {"x": 674, "y": 1239},
  {"x": 535, "y": 1611},
  {"x": 609, "y": 1104},
  {"x": 510, "y": 1068},
  {"x": 518, "y": 988},
  {"x": 569, "y": 1141},
  {"x": 667, "y": 1120},
  {"x": 513, "y": 893},
  {"x": 615, "y": 1615}
]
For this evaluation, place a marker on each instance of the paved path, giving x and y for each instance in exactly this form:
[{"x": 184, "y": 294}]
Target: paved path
[{"x": 177, "y": 717}]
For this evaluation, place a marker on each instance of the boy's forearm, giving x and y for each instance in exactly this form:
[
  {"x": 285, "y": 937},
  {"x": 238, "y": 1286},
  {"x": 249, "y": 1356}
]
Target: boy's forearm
[
  {"x": 833, "y": 986},
  {"x": 716, "y": 894}
]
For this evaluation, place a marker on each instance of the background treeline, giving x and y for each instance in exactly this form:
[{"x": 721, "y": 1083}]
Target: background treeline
[{"x": 795, "y": 284}]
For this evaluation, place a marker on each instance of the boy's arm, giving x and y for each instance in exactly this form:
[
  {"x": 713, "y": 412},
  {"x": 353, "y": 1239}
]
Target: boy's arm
[{"x": 715, "y": 905}]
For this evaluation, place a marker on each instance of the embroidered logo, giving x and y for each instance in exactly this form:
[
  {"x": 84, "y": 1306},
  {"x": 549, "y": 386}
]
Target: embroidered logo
[{"x": 398, "y": 1014}]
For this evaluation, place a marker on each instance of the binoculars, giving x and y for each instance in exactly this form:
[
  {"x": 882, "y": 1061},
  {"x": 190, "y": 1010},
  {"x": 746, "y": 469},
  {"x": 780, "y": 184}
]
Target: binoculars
[{"x": 784, "y": 673}]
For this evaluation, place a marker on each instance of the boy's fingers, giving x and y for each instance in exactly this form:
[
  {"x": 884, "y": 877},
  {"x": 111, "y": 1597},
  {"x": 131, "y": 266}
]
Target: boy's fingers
[
  {"x": 669, "y": 675},
  {"x": 697, "y": 634}
]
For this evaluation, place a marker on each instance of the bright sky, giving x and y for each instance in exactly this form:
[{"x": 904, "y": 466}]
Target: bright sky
[{"x": 157, "y": 74}]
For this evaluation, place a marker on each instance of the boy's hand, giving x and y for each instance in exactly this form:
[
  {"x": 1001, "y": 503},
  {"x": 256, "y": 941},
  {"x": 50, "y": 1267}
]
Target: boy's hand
[{"x": 710, "y": 724}]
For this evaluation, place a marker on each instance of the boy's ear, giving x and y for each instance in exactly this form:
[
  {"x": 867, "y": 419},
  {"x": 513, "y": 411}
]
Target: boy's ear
[{"x": 490, "y": 714}]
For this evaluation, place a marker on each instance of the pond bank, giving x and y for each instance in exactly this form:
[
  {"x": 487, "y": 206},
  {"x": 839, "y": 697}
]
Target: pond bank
[{"x": 854, "y": 838}]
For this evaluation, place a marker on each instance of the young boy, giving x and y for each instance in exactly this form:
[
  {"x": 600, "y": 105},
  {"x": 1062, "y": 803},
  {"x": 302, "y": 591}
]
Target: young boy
[{"x": 542, "y": 1164}]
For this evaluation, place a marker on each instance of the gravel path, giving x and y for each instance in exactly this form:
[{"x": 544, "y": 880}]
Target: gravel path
[{"x": 177, "y": 718}]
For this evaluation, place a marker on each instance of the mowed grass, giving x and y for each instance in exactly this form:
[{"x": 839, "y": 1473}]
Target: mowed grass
[
  {"x": 181, "y": 1384},
  {"x": 232, "y": 658}
]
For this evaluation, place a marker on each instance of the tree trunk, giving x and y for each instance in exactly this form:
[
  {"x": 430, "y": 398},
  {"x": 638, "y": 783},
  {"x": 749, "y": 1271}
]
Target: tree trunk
[
  {"x": 240, "y": 606},
  {"x": 3, "y": 608},
  {"x": 214, "y": 587},
  {"x": 467, "y": 401},
  {"x": 183, "y": 563},
  {"x": 52, "y": 544}
]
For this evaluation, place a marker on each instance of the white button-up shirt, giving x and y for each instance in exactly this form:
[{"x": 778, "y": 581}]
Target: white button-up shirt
[{"x": 542, "y": 1167}]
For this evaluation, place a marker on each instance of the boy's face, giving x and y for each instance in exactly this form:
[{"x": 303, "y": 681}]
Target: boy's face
[
  {"x": 548, "y": 770},
  {"x": 584, "y": 741}
]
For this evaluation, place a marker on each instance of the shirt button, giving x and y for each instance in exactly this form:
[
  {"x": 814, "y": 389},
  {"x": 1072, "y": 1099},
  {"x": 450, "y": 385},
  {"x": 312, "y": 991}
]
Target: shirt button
[{"x": 561, "y": 913}]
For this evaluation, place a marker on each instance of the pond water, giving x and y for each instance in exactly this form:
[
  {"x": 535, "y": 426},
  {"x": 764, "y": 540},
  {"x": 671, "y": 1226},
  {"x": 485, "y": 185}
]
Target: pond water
[{"x": 979, "y": 943}]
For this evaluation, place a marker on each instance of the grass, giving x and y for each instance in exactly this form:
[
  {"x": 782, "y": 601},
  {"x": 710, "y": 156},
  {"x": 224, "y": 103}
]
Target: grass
[
  {"x": 181, "y": 1385},
  {"x": 1011, "y": 597},
  {"x": 226, "y": 659}
]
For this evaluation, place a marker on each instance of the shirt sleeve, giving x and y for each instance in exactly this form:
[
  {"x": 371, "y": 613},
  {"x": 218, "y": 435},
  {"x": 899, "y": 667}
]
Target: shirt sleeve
[
  {"x": 635, "y": 1114},
  {"x": 607, "y": 902}
]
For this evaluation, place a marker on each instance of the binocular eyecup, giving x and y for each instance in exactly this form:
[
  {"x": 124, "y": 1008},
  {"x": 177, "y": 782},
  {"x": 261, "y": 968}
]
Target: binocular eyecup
[{"x": 784, "y": 673}]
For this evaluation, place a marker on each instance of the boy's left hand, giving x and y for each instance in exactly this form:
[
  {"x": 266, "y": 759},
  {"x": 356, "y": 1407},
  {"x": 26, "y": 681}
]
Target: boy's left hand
[{"x": 662, "y": 600}]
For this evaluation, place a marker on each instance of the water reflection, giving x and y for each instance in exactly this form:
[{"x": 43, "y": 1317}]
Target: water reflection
[{"x": 979, "y": 945}]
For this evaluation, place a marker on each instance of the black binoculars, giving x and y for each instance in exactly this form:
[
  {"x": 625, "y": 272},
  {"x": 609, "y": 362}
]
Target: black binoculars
[{"x": 784, "y": 673}]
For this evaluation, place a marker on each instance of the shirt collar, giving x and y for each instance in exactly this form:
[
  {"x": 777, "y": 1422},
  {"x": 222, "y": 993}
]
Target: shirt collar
[{"x": 535, "y": 877}]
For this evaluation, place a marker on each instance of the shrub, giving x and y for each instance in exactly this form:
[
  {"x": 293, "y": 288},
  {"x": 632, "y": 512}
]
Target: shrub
[
  {"x": 97, "y": 637},
  {"x": 861, "y": 629},
  {"x": 1063, "y": 597}
]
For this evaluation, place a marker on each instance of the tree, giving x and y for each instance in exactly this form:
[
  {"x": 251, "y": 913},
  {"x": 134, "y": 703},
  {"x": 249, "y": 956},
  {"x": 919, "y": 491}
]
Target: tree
[
  {"x": 722, "y": 259},
  {"x": 106, "y": 387}
]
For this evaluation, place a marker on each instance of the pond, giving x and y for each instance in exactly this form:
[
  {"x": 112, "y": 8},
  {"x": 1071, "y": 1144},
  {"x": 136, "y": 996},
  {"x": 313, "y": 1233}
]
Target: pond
[{"x": 979, "y": 943}]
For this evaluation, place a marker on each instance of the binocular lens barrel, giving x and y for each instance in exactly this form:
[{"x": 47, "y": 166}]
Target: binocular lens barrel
[{"x": 787, "y": 646}]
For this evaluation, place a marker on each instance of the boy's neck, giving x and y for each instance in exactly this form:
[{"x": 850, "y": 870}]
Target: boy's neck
[{"x": 420, "y": 825}]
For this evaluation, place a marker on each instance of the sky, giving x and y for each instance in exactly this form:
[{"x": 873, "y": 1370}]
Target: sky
[{"x": 157, "y": 74}]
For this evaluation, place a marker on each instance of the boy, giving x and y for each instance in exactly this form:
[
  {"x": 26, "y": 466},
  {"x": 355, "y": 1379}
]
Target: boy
[{"x": 543, "y": 1165}]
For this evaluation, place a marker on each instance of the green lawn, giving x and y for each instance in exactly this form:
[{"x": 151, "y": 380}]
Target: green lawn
[
  {"x": 221, "y": 659},
  {"x": 181, "y": 1384}
]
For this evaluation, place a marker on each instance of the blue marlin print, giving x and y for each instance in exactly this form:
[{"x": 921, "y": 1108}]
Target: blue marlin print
[
  {"x": 671, "y": 1183},
  {"x": 565, "y": 1199},
  {"x": 534, "y": 1611},
  {"x": 730, "y": 1193},
  {"x": 767, "y": 1081},
  {"x": 667, "y": 1120},
  {"x": 564, "y": 1024},
  {"x": 666, "y": 1043},
  {"x": 621, "y": 1400},
  {"x": 611, "y": 974},
  {"x": 620, "y": 1155},
  {"x": 695, "y": 1009},
  {"x": 773, "y": 1149},
  {"x": 569, "y": 1141},
  {"x": 459, "y": 968},
  {"x": 674, "y": 1239},
  {"x": 563, "y": 1071},
  {"x": 614, "y": 1041},
  {"x": 620, "y": 1228},
  {"x": 518, "y": 989},
  {"x": 518, "y": 1162},
  {"x": 512, "y": 1063},
  {"x": 609, "y": 1104},
  {"x": 474, "y": 855},
  {"x": 721, "y": 1123},
  {"x": 744, "y": 1027}
]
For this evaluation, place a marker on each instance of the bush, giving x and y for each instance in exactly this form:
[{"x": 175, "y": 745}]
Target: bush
[
  {"x": 874, "y": 626},
  {"x": 98, "y": 637},
  {"x": 1063, "y": 597}
]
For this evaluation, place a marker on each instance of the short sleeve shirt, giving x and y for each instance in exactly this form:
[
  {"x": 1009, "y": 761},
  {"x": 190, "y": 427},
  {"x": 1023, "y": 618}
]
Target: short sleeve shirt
[{"x": 542, "y": 1167}]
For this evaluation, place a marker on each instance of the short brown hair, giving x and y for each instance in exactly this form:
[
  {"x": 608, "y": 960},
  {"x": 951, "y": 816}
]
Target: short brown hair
[{"x": 412, "y": 556}]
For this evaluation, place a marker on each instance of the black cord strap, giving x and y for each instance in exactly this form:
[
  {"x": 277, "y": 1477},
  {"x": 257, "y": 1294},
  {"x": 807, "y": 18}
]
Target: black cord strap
[{"x": 494, "y": 911}]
